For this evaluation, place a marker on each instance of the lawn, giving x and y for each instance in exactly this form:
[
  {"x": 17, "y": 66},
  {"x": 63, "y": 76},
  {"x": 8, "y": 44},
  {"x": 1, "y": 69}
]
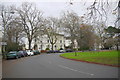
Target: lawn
[{"x": 103, "y": 57}]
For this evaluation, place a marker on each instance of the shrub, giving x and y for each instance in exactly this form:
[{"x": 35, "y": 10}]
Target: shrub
[
  {"x": 43, "y": 51},
  {"x": 84, "y": 48},
  {"x": 61, "y": 48},
  {"x": 47, "y": 49},
  {"x": 12, "y": 46},
  {"x": 75, "y": 49}
]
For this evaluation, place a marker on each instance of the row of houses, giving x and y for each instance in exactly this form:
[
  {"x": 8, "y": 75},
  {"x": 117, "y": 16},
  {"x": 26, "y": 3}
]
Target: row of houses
[{"x": 43, "y": 42}]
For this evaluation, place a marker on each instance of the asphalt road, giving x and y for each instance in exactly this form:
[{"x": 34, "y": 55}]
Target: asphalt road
[
  {"x": 53, "y": 66},
  {"x": 0, "y": 68}
]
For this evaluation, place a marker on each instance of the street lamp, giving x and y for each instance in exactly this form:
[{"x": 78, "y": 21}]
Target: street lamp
[
  {"x": 3, "y": 43},
  {"x": 12, "y": 12}
]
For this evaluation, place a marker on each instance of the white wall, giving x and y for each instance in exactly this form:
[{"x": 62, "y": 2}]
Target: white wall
[{"x": 43, "y": 43}]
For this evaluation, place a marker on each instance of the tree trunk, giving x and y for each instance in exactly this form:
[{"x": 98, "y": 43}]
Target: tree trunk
[
  {"x": 72, "y": 44},
  {"x": 30, "y": 44},
  {"x": 16, "y": 39},
  {"x": 52, "y": 46},
  {"x": 117, "y": 46}
]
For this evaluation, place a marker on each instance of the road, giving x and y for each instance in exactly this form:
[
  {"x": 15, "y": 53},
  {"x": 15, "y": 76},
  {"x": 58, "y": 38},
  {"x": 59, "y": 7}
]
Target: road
[
  {"x": 53, "y": 66},
  {"x": 0, "y": 68},
  {"x": 0, "y": 65}
]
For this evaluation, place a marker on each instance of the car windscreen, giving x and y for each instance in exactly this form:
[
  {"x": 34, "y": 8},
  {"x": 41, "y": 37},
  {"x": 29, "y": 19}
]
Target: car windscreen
[
  {"x": 20, "y": 52},
  {"x": 11, "y": 52}
]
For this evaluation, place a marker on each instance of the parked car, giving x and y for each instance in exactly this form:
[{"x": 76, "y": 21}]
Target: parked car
[
  {"x": 69, "y": 50},
  {"x": 36, "y": 52},
  {"x": 53, "y": 51},
  {"x": 21, "y": 53},
  {"x": 50, "y": 51},
  {"x": 25, "y": 53},
  {"x": 29, "y": 52},
  {"x": 62, "y": 51},
  {"x": 56, "y": 51},
  {"x": 13, "y": 54}
]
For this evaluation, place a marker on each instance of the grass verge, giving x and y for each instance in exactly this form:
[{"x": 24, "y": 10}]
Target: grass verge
[{"x": 102, "y": 57}]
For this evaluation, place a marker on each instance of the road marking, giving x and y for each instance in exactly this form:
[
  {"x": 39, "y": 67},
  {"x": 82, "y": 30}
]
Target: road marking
[{"x": 75, "y": 70}]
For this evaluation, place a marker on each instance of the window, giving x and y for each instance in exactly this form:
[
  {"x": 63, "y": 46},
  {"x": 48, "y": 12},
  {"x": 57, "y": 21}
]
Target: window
[
  {"x": 41, "y": 46},
  {"x": 48, "y": 41},
  {"x": 41, "y": 41},
  {"x": 55, "y": 47},
  {"x": 60, "y": 41},
  {"x": 60, "y": 46}
]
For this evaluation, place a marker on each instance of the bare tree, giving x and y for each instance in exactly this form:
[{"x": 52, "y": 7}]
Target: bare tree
[
  {"x": 6, "y": 17},
  {"x": 98, "y": 14},
  {"x": 31, "y": 19},
  {"x": 99, "y": 30},
  {"x": 100, "y": 10},
  {"x": 52, "y": 30},
  {"x": 15, "y": 30},
  {"x": 70, "y": 23}
]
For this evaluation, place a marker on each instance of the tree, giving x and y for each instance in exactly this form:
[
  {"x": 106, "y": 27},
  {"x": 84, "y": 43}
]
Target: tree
[
  {"x": 100, "y": 32},
  {"x": 31, "y": 19},
  {"x": 52, "y": 30},
  {"x": 13, "y": 34},
  {"x": 113, "y": 30},
  {"x": 15, "y": 30},
  {"x": 70, "y": 23},
  {"x": 114, "y": 36},
  {"x": 86, "y": 37},
  {"x": 6, "y": 16},
  {"x": 12, "y": 27},
  {"x": 109, "y": 43}
]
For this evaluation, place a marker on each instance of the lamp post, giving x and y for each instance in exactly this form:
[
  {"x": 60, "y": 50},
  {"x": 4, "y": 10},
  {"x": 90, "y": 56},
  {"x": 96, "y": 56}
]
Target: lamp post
[{"x": 4, "y": 24}]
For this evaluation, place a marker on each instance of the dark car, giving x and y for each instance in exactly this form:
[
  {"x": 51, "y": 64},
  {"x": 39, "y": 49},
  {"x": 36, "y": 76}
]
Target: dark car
[
  {"x": 36, "y": 52},
  {"x": 69, "y": 50},
  {"x": 12, "y": 54},
  {"x": 25, "y": 53},
  {"x": 56, "y": 51},
  {"x": 50, "y": 51},
  {"x": 21, "y": 53},
  {"x": 53, "y": 51}
]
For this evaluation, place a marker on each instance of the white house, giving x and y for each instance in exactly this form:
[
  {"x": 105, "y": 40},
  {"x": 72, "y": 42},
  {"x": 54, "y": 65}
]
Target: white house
[{"x": 43, "y": 42}]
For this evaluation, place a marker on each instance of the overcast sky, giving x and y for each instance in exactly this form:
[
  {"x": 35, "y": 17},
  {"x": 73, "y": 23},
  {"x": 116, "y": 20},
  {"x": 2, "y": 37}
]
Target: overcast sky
[{"x": 56, "y": 7}]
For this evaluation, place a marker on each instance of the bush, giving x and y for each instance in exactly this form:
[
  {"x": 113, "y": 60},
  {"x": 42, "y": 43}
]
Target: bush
[
  {"x": 61, "y": 48},
  {"x": 84, "y": 48},
  {"x": 43, "y": 51},
  {"x": 11, "y": 46},
  {"x": 47, "y": 49},
  {"x": 75, "y": 49}
]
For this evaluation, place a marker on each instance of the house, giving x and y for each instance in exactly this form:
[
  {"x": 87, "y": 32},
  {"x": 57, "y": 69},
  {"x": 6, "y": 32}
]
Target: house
[
  {"x": 68, "y": 42},
  {"x": 43, "y": 42}
]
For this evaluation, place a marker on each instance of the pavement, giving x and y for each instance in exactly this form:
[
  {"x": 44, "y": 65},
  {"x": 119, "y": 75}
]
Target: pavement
[
  {"x": 0, "y": 65},
  {"x": 53, "y": 66}
]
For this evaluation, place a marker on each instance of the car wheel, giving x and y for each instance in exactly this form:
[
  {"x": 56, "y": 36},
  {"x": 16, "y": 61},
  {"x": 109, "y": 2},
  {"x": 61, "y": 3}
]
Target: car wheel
[
  {"x": 19, "y": 56},
  {"x": 16, "y": 57}
]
